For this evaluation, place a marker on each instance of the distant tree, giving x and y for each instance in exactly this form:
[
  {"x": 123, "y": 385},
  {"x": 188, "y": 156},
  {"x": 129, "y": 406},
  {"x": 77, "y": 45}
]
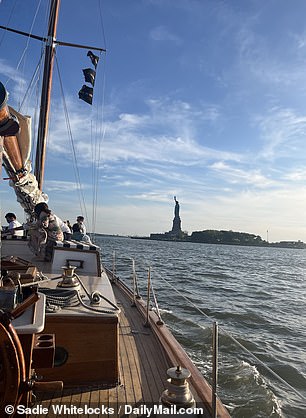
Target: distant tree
[{"x": 225, "y": 237}]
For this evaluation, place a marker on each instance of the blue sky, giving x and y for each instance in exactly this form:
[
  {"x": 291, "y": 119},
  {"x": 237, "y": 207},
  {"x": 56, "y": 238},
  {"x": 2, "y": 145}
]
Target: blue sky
[{"x": 204, "y": 100}]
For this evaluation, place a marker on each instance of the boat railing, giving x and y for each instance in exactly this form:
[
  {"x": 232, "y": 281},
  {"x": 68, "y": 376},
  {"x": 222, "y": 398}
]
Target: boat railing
[
  {"x": 150, "y": 291},
  {"x": 214, "y": 369},
  {"x": 160, "y": 321},
  {"x": 135, "y": 287},
  {"x": 216, "y": 329},
  {"x": 235, "y": 341}
]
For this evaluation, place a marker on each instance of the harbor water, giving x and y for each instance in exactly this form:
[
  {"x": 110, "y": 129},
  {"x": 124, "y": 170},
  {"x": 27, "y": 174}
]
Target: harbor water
[{"x": 258, "y": 298}]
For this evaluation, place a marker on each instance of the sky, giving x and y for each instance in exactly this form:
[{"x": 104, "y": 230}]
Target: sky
[{"x": 204, "y": 100}]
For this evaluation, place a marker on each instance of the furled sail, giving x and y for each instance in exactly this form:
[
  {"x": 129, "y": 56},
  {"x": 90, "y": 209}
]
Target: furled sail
[
  {"x": 23, "y": 135},
  {"x": 16, "y": 132}
]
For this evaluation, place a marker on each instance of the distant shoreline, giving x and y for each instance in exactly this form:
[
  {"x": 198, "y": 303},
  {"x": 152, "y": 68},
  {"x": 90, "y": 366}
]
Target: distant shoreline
[
  {"x": 224, "y": 238},
  {"x": 259, "y": 243},
  {"x": 294, "y": 245}
]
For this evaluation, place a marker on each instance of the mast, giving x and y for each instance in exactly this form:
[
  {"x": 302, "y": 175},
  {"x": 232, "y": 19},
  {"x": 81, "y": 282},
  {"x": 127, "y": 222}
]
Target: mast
[
  {"x": 46, "y": 94},
  {"x": 50, "y": 44}
]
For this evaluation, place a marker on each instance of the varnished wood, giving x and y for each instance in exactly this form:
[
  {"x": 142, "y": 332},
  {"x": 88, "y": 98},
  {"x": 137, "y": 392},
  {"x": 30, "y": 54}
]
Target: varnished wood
[
  {"x": 46, "y": 94},
  {"x": 10, "y": 373},
  {"x": 11, "y": 147},
  {"x": 143, "y": 364},
  {"x": 145, "y": 354},
  {"x": 91, "y": 344},
  {"x": 4, "y": 115}
]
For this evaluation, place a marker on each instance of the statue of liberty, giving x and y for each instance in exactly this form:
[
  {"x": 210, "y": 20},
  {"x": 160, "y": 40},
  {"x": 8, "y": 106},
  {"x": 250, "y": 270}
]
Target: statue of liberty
[
  {"x": 176, "y": 228},
  {"x": 177, "y": 208}
]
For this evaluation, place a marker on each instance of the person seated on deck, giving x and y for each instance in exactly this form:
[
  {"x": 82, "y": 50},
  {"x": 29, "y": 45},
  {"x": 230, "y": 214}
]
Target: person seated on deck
[
  {"x": 45, "y": 232},
  {"x": 79, "y": 231},
  {"x": 66, "y": 230},
  {"x": 14, "y": 227}
]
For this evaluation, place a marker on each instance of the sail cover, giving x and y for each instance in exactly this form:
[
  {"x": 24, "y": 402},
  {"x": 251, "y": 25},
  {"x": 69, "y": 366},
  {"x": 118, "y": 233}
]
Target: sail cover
[{"x": 16, "y": 161}]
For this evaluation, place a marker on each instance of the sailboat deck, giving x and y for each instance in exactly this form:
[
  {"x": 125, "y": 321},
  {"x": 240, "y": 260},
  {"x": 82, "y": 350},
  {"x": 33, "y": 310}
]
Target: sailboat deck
[
  {"x": 143, "y": 359},
  {"x": 143, "y": 365}
]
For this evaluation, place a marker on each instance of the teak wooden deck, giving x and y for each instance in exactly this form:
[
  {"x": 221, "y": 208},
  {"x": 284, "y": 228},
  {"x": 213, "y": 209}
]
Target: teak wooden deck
[
  {"x": 143, "y": 365},
  {"x": 145, "y": 354}
]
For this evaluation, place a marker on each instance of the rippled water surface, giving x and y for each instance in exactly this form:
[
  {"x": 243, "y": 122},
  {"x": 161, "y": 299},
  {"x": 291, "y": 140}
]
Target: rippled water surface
[{"x": 257, "y": 295}]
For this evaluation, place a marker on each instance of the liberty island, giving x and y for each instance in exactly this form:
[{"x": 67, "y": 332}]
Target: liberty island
[{"x": 212, "y": 236}]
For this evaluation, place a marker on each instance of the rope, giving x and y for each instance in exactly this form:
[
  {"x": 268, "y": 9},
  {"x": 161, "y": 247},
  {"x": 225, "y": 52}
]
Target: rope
[
  {"x": 67, "y": 298},
  {"x": 31, "y": 83},
  {"x": 56, "y": 299},
  {"x": 90, "y": 308},
  {"x": 75, "y": 165},
  {"x": 102, "y": 24},
  {"x": 28, "y": 40},
  {"x": 36, "y": 108},
  {"x": 99, "y": 132},
  {"x": 8, "y": 22},
  {"x": 95, "y": 295},
  {"x": 97, "y": 147}
]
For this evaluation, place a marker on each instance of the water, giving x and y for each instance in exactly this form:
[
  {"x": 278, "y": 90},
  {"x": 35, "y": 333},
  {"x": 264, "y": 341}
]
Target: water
[{"x": 255, "y": 294}]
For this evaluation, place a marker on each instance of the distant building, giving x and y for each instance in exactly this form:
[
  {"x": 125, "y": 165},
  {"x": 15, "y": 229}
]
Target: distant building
[{"x": 176, "y": 232}]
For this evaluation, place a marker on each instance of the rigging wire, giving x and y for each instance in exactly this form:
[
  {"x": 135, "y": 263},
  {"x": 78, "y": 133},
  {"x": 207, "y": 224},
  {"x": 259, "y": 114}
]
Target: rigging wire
[
  {"x": 8, "y": 22},
  {"x": 97, "y": 133},
  {"x": 39, "y": 84},
  {"x": 36, "y": 71},
  {"x": 102, "y": 24},
  {"x": 36, "y": 108},
  {"x": 28, "y": 41},
  {"x": 265, "y": 366},
  {"x": 34, "y": 81},
  {"x": 75, "y": 164},
  {"x": 31, "y": 84},
  {"x": 100, "y": 135},
  {"x": 210, "y": 319}
]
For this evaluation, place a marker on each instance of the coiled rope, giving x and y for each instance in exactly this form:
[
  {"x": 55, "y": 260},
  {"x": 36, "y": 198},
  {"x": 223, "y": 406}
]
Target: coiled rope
[{"x": 66, "y": 298}]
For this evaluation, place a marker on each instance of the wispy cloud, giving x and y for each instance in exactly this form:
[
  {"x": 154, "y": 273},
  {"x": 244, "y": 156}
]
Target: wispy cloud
[
  {"x": 161, "y": 33},
  {"x": 15, "y": 83},
  {"x": 239, "y": 176},
  {"x": 62, "y": 186},
  {"x": 283, "y": 131},
  {"x": 166, "y": 133},
  {"x": 209, "y": 107},
  {"x": 297, "y": 175}
]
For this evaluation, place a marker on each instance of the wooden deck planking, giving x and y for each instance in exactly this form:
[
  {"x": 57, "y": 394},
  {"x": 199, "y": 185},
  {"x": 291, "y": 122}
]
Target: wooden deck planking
[
  {"x": 130, "y": 380},
  {"x": 148, "y": 381},
  {"x": 153, "y": 366},
  {"x": 132, "y": 345},
  {"x": 142, "y": 370}
]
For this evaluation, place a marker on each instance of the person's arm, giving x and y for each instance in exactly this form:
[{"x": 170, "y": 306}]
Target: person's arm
[{"x": 11, "y": 231}]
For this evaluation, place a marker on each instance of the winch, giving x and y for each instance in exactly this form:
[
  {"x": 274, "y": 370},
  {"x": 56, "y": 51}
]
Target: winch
[
  {"x": 69, "y": 279},
  {"x": 178, "y": 392}
]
